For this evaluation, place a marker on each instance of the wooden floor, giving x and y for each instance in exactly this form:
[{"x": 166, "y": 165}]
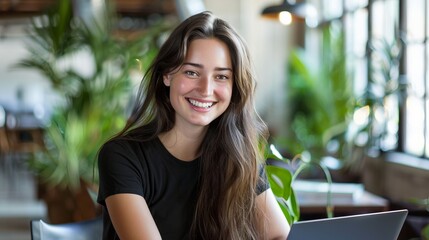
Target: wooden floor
[{"x": 18, "y": 202}]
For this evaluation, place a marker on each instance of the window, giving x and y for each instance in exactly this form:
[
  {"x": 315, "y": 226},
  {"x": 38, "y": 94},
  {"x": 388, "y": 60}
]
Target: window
[
  {"x": 384, "y": 88},
  {"x": 415, "y": 116},
  {"x": 398, "y": 74},
  {"x": 387, "y": 50}
]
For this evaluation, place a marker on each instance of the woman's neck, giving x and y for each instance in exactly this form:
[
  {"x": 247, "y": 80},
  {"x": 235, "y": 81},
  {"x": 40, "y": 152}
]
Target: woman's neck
[{"x": 183, "y": 145}]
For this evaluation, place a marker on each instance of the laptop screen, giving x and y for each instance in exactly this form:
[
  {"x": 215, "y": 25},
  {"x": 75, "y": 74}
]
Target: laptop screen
[{"x": 371, "y": 226}]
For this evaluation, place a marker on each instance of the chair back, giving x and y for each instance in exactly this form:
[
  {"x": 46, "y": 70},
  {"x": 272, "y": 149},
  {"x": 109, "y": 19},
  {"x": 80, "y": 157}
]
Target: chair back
[{"x": 83, "y": 230}]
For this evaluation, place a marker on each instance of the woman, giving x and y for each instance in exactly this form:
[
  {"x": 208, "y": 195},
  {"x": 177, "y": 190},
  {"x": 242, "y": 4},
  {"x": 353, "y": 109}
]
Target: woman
[{"x": 188, "y": 163}]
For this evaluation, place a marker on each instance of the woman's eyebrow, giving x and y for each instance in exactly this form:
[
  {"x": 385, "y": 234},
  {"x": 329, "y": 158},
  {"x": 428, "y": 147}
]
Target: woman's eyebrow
[
  {"x": 193, "y": 64},
  {"x": 197, "y": 65},
  {"x": 223, "y": 69}
]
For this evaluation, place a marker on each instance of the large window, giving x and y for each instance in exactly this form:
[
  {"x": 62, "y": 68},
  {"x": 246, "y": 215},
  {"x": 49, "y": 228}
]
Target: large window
[
  {"x": 398, "y": 58},
  {"x": 388, "y": 53}
]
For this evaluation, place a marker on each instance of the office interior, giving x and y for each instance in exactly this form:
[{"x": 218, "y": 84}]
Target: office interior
[{"x": 341, "y": 84}]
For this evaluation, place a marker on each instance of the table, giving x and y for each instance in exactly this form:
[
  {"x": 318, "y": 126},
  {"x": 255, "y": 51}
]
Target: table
[{"x": 347, "y": 199}]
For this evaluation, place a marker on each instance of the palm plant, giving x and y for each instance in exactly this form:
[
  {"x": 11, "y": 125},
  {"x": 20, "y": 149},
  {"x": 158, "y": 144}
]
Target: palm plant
[{"x": 93, "y": 102}]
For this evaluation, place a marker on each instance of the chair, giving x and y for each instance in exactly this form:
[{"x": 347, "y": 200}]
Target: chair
[{"x": 83, "y": 230}]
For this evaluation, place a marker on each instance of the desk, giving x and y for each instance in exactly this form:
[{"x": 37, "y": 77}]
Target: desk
[{"x": 313, "y": 205}]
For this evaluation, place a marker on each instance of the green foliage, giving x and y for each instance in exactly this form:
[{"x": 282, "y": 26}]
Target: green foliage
[
  {"x": 94, "y": 103},
  {"x": 425, "y": 204},
  {"x": 425, "y": 232},
  {"x": 384, "y": 89},
  {"x": 320, "y": 99},
  {"x": 281, "y": 180}
]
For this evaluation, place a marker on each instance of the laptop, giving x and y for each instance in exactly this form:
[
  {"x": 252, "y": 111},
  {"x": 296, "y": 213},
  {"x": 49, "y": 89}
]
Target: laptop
[{"x": 370, "y": 226}]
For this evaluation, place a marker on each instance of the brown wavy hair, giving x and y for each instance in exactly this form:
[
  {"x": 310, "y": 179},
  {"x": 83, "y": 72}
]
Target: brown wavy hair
[{"x": 231, "y": 150}]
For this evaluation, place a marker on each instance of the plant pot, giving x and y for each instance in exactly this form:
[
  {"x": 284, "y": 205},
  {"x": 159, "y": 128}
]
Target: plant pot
[{"x": 65, "y": 205}]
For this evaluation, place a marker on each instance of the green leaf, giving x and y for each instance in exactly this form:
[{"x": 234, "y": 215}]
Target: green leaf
[
  {"x": 286, "y": 211},
  {"x": 280, "y": 180},
  {"x": 294, "y": 206},
  {"x": 425, "y": 232}
]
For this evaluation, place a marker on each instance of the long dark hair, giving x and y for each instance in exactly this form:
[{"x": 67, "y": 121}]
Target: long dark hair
[{"x": 231, "y": 149}]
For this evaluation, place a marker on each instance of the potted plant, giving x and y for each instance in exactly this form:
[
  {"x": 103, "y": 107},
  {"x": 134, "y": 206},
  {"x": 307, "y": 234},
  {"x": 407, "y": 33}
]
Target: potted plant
[
  {"x": 281, "y": 172},
  {"x": 94, "y": 102}
]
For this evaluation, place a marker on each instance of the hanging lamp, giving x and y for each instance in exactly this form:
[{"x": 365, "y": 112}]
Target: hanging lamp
[{"x": 289, "y": 10}]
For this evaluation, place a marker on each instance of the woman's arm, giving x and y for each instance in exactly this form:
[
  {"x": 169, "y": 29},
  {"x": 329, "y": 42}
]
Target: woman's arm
[
  {"x": 131, "y": 217},
  {"x": 275, "y": 225}
]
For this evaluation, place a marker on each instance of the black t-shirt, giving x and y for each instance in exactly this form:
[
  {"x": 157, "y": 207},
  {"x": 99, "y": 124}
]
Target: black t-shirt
[{"x": 167, "y": 184}]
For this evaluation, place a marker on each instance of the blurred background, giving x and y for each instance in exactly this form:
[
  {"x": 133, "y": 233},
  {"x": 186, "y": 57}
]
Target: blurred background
[{"x": 341, "y": 82}]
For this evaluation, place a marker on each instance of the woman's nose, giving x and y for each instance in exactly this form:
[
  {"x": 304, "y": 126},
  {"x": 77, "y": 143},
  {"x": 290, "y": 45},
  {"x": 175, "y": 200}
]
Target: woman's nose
[{"x": 206, "y": 86}]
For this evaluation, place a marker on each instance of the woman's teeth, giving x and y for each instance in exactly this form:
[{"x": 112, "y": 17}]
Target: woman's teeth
[{"x": 200, "y": 104}]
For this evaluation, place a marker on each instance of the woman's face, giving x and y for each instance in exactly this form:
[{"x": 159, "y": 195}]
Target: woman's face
[{"x": 201, "y": 89}]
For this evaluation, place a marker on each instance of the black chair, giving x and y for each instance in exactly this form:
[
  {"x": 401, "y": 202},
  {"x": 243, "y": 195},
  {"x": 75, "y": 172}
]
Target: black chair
[{"x": 83, "y": 230}]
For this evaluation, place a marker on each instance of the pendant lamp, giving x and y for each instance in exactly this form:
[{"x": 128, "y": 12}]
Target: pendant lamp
[{"x": 288, "y": 10}]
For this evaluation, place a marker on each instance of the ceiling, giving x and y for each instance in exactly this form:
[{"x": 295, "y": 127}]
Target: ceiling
[{"x": 135, "y": 8}]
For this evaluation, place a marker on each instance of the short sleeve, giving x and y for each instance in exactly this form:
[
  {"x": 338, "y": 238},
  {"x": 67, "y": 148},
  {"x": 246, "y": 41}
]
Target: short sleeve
[
  {"x": 119, "y": 170},
  {"x": 262, "y": 184}
]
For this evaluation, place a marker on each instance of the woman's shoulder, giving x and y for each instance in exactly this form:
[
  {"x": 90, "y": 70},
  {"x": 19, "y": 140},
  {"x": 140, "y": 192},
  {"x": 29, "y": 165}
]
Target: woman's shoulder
[
  {"x": 117, "y": 143},
  {"x": 128, "y": 144},
  {"x": 122, "y": 150}
]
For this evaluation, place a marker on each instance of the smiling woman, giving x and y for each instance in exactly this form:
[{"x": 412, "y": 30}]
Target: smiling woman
[
  {"x": 200, "y": 91},
  {"x": 188, "y": 163}
]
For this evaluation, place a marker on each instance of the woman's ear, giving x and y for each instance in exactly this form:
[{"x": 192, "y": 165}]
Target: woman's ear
[{"x": 167, "y": 79}]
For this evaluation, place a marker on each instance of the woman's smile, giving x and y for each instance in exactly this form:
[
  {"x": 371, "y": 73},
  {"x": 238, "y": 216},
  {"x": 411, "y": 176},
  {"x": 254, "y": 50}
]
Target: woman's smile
[{"x": 200, "y": 104}]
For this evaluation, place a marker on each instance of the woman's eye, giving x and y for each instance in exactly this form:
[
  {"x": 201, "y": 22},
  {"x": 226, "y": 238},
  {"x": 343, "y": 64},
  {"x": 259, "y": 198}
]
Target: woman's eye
[
  {"x": 191, "y": 73},
  {"x": 222, "y": 77}
]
